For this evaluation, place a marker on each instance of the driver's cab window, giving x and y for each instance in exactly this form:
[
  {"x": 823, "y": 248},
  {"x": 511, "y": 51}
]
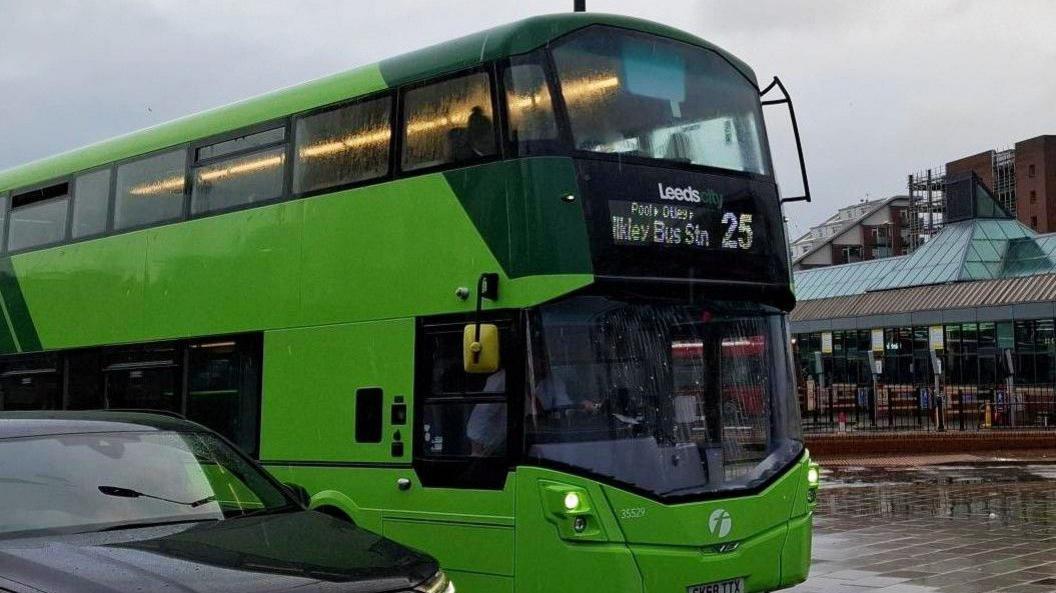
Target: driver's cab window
[
  {"x": 463, "y": 419},
  {"x": 448, "y": 122},
  {"x": 464, "y": 413}
]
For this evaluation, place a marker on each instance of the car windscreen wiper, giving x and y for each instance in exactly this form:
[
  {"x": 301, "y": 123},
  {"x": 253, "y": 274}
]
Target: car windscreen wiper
[
  {"x": 130, "y": 493},
  {"x": 142, "y": 524},
  {"x": 286, "y": 508}
]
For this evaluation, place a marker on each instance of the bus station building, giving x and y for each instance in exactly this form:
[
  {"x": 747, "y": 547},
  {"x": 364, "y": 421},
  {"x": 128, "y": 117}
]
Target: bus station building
[{"x": 959, "y": 334}]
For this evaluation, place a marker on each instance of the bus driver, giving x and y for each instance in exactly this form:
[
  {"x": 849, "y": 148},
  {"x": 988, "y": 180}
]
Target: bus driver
[{"x": 486, "y": 428}]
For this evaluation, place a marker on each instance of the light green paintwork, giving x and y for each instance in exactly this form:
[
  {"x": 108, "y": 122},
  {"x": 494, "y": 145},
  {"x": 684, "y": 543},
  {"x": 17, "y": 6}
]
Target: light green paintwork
[
  {"x": 759, "y": 523},
  {"x": 484, "y": 537},
  {"x": 336, "y": 360},
  {"x": 397, "y": 249},
  {"x": 469, "y": 531}
]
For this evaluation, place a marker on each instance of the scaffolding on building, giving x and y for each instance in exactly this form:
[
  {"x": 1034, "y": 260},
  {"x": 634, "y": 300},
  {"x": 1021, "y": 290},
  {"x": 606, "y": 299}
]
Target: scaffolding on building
[
  {"x": 927, "y": 205},
  {"x": 1004, "y": 166}
]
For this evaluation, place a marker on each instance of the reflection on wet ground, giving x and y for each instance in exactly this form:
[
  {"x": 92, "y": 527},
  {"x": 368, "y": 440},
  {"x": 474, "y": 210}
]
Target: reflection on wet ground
[{"x": 964, "y": 528}]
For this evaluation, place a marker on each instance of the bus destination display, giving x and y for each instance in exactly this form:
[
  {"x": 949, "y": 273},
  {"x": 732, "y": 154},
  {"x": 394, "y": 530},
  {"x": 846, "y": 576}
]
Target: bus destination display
[{"x": 686, "y": 218}]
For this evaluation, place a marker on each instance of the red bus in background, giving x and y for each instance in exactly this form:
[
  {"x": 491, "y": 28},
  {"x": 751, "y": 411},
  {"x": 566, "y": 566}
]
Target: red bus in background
[{"x": 743, "y": 373}]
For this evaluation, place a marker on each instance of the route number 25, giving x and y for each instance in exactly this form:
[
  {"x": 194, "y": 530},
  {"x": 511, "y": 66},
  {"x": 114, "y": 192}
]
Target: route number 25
[{"x": 738, "y": 231}]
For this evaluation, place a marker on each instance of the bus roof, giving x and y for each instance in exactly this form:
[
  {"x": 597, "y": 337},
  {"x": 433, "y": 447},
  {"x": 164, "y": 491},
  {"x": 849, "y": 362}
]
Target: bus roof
[{"x": 465, "y": 52}]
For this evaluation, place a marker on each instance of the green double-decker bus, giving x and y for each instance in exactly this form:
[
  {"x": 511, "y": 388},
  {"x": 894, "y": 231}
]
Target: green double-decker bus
[{"x": 517, "y": 300}]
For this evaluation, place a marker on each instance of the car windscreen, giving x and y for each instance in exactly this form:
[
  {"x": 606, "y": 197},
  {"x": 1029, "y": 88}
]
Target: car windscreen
[{"x": 94, "y": 481}]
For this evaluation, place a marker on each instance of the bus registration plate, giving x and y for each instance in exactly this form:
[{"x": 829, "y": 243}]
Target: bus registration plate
[{"x": 730, "y": 586}]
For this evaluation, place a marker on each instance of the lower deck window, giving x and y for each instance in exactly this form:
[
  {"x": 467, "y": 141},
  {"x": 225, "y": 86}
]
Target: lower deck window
[
  {"x": 223, "y": 388},
  {"x": 31, "y": 383},
  {"x": 215, "y": 382}
]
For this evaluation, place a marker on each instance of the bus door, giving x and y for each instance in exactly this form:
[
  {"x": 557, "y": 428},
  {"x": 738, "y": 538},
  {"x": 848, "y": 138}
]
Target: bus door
[{"x": 458, "y": 502}]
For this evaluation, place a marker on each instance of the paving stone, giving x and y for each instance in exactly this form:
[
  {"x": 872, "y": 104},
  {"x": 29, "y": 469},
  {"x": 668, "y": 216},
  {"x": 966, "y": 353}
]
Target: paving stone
[{"x": 969, "y": 528}]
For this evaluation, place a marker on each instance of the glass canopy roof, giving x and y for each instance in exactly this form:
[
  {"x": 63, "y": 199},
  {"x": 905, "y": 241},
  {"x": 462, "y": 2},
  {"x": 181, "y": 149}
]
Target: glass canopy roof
[{"x": 973, "y": 249}]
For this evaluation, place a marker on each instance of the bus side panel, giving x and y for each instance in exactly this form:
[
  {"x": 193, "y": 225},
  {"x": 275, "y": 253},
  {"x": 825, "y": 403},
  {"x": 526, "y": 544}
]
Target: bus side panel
[
  {"x": 308, "y": 412},
  {"x": 551, "y": 555},
  {"x": 470, "y": 532},
  {"x": 795, "y": 557},
  {"x": 388, "y": 251},
  {"x": 540, "y": 228},
  {"x": 462, "y": 549},
  {"x": 113, "y": 293},
  {"x": 384, "y": 251},
  {"x": 222, "y": 274},
  {"x": 234, "y": 273}
]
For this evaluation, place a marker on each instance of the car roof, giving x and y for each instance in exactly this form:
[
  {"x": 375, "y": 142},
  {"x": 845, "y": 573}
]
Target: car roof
[{"x": 50, "y": 423}]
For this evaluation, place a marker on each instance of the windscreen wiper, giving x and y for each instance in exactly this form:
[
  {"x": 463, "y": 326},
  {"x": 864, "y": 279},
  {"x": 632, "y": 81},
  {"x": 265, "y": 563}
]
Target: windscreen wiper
[
  {"x": 130, "y": 493},
  {"x": 143, "y": 524},
  {"x": 286, "y": 508}
]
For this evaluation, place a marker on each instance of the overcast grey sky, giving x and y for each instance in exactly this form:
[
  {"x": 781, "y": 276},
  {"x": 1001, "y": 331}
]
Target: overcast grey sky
[{"x": 881, "y": 88}]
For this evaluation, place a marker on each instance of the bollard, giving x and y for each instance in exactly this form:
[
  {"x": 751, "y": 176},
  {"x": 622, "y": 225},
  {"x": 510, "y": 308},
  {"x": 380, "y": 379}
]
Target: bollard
[
  {"x": 960, "y": 412},
  {"x": 859, "y": 403},
  {"x": 832, "y": 391}
]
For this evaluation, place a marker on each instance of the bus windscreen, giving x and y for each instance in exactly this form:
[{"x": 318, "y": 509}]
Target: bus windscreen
[
  {"x": 675, "y": 399},
  {"x": 654, "y": 98}
]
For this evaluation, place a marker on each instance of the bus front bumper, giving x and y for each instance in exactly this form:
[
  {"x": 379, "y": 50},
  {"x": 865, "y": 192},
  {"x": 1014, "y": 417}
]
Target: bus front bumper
[{"x": 774, "y": 559}]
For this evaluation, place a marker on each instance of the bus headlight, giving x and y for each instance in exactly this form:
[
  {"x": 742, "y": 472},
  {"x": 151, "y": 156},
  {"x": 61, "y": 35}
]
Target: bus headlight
[
  {"x": 813, "y": 480},
  {"x": 439, "y": 583},
  {"x": 572, "y": 501},
  {"x": 813, "y": 475}
]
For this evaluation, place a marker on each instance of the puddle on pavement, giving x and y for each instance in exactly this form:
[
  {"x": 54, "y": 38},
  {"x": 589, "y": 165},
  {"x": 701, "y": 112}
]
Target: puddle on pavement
[
  {"x": 975, "y": 527},
  {"x": 1005, "y": 492}
]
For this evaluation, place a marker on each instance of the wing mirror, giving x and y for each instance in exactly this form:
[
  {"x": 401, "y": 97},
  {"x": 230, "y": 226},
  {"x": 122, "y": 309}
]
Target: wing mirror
[
  {"x": 480, "y": 341},
  {"x": 480, "y": 348}
]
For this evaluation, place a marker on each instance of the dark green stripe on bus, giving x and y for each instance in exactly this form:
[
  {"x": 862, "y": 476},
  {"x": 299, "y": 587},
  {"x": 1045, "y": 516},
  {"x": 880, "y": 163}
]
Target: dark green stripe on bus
[
  {"x": 17, "y": 311},
  {"x": 522, "y": 211}
]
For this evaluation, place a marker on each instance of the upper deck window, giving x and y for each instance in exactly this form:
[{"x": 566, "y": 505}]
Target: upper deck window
[
  {"x": 343, "y": 146},
  {"x": 38, "y": 217},
  {"x": 529, "y": 106},
  {"x": 91, "y": 203},
  {"x": 648, "y": 97},
  {"x": 150, "y": 190},
  {"x": 448, "y": 122},
  {"x": 254, "y": 173},
  {"x": 241, "y": 144}
]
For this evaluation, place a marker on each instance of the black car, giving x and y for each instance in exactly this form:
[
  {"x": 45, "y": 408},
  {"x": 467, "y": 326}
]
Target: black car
[{"x": 121, "y": 501}]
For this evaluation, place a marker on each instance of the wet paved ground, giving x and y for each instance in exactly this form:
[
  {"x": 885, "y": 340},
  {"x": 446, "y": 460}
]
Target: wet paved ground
[{"x": 963, "y": 528}]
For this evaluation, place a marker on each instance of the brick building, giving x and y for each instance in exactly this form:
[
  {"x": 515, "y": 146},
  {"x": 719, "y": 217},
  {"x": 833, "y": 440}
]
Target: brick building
[
  {"x": 1023, "y": 179},
  {"x": 865, "y": 231}
]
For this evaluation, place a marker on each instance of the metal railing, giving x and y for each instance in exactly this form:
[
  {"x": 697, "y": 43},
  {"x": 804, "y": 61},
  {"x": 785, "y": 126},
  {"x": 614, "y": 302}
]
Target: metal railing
[{"x": 849, "y": 407}]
